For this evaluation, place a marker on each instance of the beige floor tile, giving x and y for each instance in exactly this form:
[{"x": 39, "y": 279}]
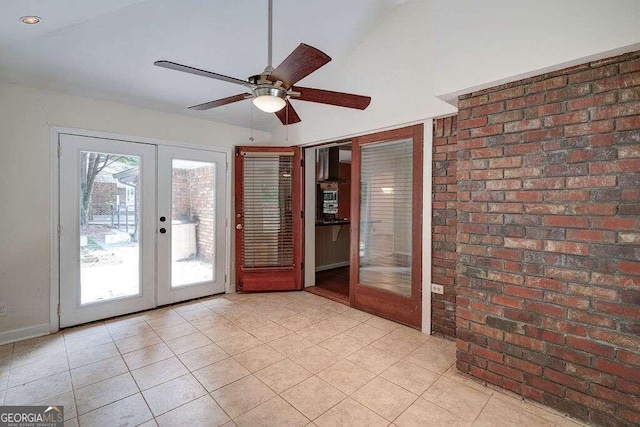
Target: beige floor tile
[
  {"x": 99, "y": 394},
  {"x": 435, "y": 355},
  {"x": 137, "y": 342},
  {"x": 188, "y": 342},
  {"x": 283, "y": 375},
  {"x": 258, "y": 358},
  {"x": 346, "y": 376},
  {"x": 203, "y": 356},
  {"x": 209, "y": 321},
  {"x": 342, "y": 345},
  {"x": 341, "y": 322},
  {"x": 313, "y": 397},
  {"x": 384, "y": 324},
  {"x": 98, "y": 371},
  {"x": 67, "y": 400},
  {"x": 35, "y": 371},
  {"x": 315, "y": 359},
  {"x": 38, "y": 390},
  {"x": 242, "y": 395},
  {"x": 127, "y": 331},
  {"x": 396, "y": 345},
  {"x": 457, "y": 398},
  {"x": 130, "y": 411},
  {"x": 176, "y": 331},
  {"x": 222, "y": 331},
  {"x": 158, "y": 373},
  {"x": 203, "y": 412},
  {"x": 290, "y": 344},
  {"x": 509, "y": 413},
  {"x": 73, "y": 422},
  {"x": 251, "y": 323},
  {"x": 172, "y": 319},
  {"x": 296, "y": 322},
  {"x": 75, "y": 344},
  {"x": 34, "y": 347},
  {"x": 275, "y": 412},
  {"x": 147, "y": 355},
  {"x": 174, "y": 393},
  {"x": 220, "y": 374},
  {"x": 384, "y": 398},
  {"x": 92, "y": 355},
  {"x": 372, "y": 359},
  {"x": 365, "y": 333},
  {"x": 271, "y": 332},
  {"x": 424, "y": 413},
  {"x": 358, "y": 315},
  {"x": 350, "y": 413},
  {"x": 317, "y": 313},
  {"x": 410, "y": 376},
  {"x": 277, "y": 313},
  {"x": 196, "y": 313},
  {"x": 318, "y": 332},
  {"x": 219, "y": 303},
  {"x": 84, "y": 330},
  {"x": 158, "y": 313},
  {"x": 150, "y": 423},
  {"x": 239, "y": 343}
]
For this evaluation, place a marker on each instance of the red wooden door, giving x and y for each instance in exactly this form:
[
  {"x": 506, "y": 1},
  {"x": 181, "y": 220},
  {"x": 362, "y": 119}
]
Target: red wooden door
[
  {"x": 386, "y": 224},
  {"x": 268, "y": 218}
]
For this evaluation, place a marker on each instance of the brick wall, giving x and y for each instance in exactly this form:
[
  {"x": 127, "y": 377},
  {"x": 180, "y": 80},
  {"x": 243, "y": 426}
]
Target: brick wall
[
  {"x": 444, "y": 221},
  {"x": 548, "y": 239}
]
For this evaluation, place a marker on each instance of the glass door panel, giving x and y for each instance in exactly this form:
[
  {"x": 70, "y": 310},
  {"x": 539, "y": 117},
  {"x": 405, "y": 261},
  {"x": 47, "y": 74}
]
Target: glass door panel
[
  {"x": 193, "y": 218},
  {"x": 109, "y": 226}
]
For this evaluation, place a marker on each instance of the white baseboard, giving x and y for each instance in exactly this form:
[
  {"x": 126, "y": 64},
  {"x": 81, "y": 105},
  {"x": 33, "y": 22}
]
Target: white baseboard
[
  {"x": 332, "y": 266},
  {"x": 24, "y": 333}
]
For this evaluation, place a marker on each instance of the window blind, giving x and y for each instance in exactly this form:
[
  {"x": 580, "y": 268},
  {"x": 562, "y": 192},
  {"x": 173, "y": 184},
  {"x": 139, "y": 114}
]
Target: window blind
[
  {"x": 386, "y": 194},
  {"x": 267, "y": 211}
]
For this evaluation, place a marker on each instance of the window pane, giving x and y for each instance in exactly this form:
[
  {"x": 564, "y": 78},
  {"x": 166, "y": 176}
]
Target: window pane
[
  {"x": 268, "y": 211},
  {"x": 109, "y": 226},
  {"x": 192, "y": 222},
  {"x": 386, "y": 185}
]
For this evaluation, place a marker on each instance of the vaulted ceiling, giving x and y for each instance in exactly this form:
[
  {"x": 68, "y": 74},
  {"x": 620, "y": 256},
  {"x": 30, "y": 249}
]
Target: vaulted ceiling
[{"x": 106, "y": 49}]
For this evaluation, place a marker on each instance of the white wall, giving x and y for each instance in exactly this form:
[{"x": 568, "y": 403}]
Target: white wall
[
  {"x": 483, "y": 43},
  {"x": 25, "y": 117}
]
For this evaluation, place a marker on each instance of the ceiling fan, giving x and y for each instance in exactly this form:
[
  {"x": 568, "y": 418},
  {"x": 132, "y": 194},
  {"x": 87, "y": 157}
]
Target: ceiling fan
[{"x": 272, "y": 89}]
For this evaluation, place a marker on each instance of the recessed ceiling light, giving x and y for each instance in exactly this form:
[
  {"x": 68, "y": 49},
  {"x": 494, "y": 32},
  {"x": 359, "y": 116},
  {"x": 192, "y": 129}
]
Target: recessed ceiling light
[{"x": 30, "y": 20}]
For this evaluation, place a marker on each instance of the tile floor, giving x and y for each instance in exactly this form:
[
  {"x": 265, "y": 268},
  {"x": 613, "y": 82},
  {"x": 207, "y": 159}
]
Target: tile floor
[{"x": 279, "y": 359}]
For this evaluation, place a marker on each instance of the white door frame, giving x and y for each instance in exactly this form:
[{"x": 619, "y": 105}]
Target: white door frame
[
  {"x": 310, "y": 211},
  {"x": 54, "y": 204}
]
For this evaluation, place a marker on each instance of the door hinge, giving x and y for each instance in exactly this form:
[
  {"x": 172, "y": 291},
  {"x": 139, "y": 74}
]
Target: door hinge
[
  {"x": 58, "y": 230},
  {"x": 239, "y": 286},
  {"x": 225, "y": 278},
  {"x": 58, "y": 309},
  {"x": 302, "y": 265},
  {"x": 58, "y": 148},
  {"x": 302, "y": 214},
  {"x": 227, "y": 166},
  {"x": 301, "y": 163}
]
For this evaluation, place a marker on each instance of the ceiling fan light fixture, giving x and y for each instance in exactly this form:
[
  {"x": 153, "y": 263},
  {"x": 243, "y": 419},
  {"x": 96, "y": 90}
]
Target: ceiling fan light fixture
[
  {"x": 269, "y": 99},
  {"x": 30, "y": 20}
]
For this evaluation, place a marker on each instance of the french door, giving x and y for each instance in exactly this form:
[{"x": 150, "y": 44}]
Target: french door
[
  {"x": 140, "y": 226},
  {"x": 268, "y": 207},
  {"x": 386, "y": 224}
]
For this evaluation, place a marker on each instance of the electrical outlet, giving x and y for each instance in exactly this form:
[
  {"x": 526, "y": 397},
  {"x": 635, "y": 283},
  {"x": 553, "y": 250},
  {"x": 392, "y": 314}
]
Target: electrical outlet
[
  {"x": 3, "y": 308},
  {"x": 437, "y": 289}
]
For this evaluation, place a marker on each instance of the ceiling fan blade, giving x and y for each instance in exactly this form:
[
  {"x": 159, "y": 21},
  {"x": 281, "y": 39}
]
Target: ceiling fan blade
[
  {"x": 220, "y": 102},
  {"x": 288, "y": 115},
  {"x": 198, "y": 72},
  {"x": 340, "y": 99},
  {"x": 303, "y": 61}
]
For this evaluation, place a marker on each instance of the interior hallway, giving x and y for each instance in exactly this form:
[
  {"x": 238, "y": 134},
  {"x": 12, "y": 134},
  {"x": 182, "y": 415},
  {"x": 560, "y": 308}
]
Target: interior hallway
[{"x": 255, "y": 359}]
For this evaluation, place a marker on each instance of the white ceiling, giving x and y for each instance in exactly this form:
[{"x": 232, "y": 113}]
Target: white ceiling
[{"x": 106, "y": 49}]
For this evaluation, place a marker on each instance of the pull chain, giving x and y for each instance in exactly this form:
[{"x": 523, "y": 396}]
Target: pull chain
[
  {"x": 287, "y": 126},
  {"x": 251, "y": 115}
]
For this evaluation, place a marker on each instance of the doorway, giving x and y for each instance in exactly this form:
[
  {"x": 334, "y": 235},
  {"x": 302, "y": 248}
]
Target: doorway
[
  {"x": 380, "y": 269},
  {"x": 141, "y": 225}
]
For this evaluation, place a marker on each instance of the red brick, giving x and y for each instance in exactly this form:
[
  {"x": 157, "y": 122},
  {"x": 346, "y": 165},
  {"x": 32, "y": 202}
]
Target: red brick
[
  {"x": 565, "y": 380},
  {"x": 472, "y": 123},
  {"x": 588, "y": 128},
  {"x": 591, "y": 101},
  {"x": 506, "y": 371},
  {"x": 629, "y": 373},
  {"x": 522, "y": 125},
  {"x": 590, "y": 346},
  {"x": 548, "y": 84},
  {"x": 566, "y": 119},
  {"x": 506, "y": 94},
  {"x": 542, "y": 135},
  {"x": 544, "y": 283},
  {"x": 616, "y": 309},
  {"x": 486, "y": 131},
  {"x": 591, "y": 181},
  {"x": 546, "y": 309},
  {"x": 566, "y": 247},
  {"x": 603, "y": 113},
  {"x": 523, "y": 292},
  {"x": 543, "y": 183},
  {"x": 548, "y": 386},
  {"x": 591, "y": 402},
  {"x": 487, "y": 109},
  {"x": 591, "y": 235},
  {"x": 616, "y": 223},
  {"x": 505, "y": 162}
]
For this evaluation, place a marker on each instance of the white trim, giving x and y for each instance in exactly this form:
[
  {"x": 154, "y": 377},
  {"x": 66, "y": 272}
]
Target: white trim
[
  {"x": 54, "y": 248},
  {"x": 427, "y": 177},
  {"x": 309, "y": 217},
  {"x": 24, "y": 333},
  {"x": 452, "y": 97},
  {"x": 332, "y": 266},
  {"x": 54, "y": 203}
]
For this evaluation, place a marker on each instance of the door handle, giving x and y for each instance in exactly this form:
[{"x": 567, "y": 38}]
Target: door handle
[
  {"x": 238, "y": 226},
  {"x": 163, "y": 230}
]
